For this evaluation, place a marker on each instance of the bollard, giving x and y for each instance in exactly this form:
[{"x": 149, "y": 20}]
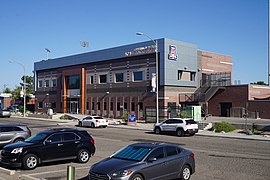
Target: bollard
[{"x": 70, "y": 172}]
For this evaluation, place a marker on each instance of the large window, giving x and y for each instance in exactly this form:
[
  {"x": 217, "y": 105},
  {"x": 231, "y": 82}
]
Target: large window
[
  {"x": 138, "y": 76},
  {"x": 47, "y": 83},
  {"x": 73, "y": 82},
  {"x": 54, "y": 83},
  {"x": 91, "y": 79},
  {"x": 103, "y": 78},
  {"x": 40, "y": 83},
  {"x": 119, "y": 77}
]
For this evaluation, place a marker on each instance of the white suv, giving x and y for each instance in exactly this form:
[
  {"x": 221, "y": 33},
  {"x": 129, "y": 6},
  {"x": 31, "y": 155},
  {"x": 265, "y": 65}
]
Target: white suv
[{"x": 177, "y": 125}]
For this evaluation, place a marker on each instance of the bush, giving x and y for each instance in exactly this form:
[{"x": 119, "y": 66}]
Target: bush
[
  {"x": 64, "y": 117},
  {"x": 223, "y": 126},
  {"x": 185, "y": 114}
]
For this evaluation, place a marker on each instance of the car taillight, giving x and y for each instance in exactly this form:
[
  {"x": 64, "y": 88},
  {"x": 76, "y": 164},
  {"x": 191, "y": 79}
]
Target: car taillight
[
  {"x": 29, "y": 132},
  {"x": 97, "y": 121},
  {"x": 192, "y": 155},
  {"x": 106, "y": 120},
  {"x": 92, "y": 141}
]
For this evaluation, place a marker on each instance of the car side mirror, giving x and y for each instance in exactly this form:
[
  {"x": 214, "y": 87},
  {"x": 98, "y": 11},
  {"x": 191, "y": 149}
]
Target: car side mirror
[
  {"x": 48, "y": 141},
  {"x": 151, "y": 160}
]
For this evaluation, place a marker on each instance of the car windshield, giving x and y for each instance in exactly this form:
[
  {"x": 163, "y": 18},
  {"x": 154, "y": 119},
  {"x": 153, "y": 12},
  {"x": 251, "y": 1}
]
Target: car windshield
[
  {"x": 135, "y": 153},
  {"x": 39, "y": 137}
]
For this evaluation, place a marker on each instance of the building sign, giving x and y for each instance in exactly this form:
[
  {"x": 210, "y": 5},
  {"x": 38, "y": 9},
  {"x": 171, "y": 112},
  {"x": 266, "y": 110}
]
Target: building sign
[
  {"x": 141, "y": 50},
  {"x": 172, "y": 52}
]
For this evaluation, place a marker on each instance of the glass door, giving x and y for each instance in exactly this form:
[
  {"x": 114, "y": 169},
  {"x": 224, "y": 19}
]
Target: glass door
[{"x": 74, "y": 107}]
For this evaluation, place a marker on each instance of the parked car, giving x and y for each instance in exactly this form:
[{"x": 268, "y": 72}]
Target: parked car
[
  {"x": 145, "y": 161},
  {"x": 5, "y": 113},
  {"x": 49, "y": 145},
  {"x": 93, "y": 121},
  {"x": 179, "y": 126},
  {"x": 11, "y": 133}
]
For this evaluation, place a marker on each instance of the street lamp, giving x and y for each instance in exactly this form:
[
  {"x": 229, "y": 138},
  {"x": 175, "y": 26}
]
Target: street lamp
[
  {"x": 24, "y": 85},
  {"x": 155, "y": 42}
]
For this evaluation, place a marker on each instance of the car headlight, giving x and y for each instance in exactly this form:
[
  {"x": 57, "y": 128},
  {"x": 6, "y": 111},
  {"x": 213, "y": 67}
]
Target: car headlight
[
  {"x": 17, "y": 150},
  {"x": 122, "y": 173}
]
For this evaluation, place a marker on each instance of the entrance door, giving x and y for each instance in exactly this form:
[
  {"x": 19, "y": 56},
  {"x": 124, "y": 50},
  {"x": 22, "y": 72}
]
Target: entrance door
[
  {"x": 225, "y": 109},
  {"x": 74, "y": 107}
]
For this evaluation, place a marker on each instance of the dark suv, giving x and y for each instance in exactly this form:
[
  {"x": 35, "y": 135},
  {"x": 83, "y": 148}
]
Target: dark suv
[
  {"x": 10, "y": 133},
  {"x": 49, "y": 145}
]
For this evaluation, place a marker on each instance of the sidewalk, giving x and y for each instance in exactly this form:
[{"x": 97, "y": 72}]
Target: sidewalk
[
  {"x": 150, "y": 126},
  {"x": 234, "y": 135}
]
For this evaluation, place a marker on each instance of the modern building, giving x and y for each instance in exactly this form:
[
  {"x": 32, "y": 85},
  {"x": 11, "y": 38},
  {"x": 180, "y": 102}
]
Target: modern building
[{"x": 109, "y": 81}]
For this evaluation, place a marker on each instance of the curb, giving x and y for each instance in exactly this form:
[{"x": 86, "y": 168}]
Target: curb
[
  {"x": 7, "y": 171},
  {"x": 27, "y": 177}
]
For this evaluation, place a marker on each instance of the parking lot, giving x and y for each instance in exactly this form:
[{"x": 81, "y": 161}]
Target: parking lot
[{"x": 216, "y": 158}]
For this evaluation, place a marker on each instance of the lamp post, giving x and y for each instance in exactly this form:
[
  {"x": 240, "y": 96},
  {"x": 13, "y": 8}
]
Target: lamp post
[
  {"x": 155, "y": 42},
  {"x": 24, "y": 85}
]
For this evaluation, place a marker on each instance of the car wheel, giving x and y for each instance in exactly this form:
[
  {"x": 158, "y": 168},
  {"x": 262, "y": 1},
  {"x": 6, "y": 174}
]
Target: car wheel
[
  {"x": 92, "y": 125},
  {"x": 192, "y": 134},
  {"x": 30, "y": 161},
  {"x": 80, "y": 124},
  {"x": 18, "y": 140},
  {"x": 179, "y": 132},
  {"x": 83, "y": 156},
  {"x": 157, "y": 130},
  {"x": 137, "y": 177},
  {"x": 185, "y": 173}
]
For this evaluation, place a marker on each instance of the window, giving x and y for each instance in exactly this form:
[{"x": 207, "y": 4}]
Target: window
[
  {"x": 111, "y": 106},
  {"x": 170, "y": 151},
  {"x": 54, "y": 83},
  {"x": 7, "y": 129},
  {"x": 186, "y": 75},
  {"x": 118, "y": 106},
  {"x": 132, "y": 106},
  {"x": 55, "y": 138},
  {"x": 119, "y": 77},
  {"x": 103, "y": 79},
  {"x": 70, "y": 137},
  {"x": 105, "y": 106},
  {"x": 91, "y": 79},
  {"x": 73, "y": 82},
  {"x": 47, "y": 83},
  {"x": 53, "y": 105},
  {"x": 40, "y": 83},
  {"x": 141, "y": 106},
  {"x": 138, "y": 76},
  {"x": 192, "y": 76},
  {"x": 93, "y": 105},
  {"x": 40, "y": 104},
  {"x": 158, "y": 154},
  {"x": 98, "y": 105}
]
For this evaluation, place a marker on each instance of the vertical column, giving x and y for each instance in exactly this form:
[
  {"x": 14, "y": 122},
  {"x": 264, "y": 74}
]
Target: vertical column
[
  {"x": 82, "y": 91},
  {"x": 90, "y": 104},
  {"x": 115, "y": 107},
  {"x": 137, "y": 107},
  {"x": 64, "y": 95},
  {"x": 108, "y": 106}
]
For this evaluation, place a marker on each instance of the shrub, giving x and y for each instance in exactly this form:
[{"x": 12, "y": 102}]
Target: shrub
[
  {"x": 185, "y": 114},
  {"x": 64, "y": 117},
  {"x": 223, "y": 126},
  {"x": 125, "y": 116}
]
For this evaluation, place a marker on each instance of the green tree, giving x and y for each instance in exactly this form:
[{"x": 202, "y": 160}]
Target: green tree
[
  {"x": 259, "y": 83},
  {"x": 7, "y": 90}
]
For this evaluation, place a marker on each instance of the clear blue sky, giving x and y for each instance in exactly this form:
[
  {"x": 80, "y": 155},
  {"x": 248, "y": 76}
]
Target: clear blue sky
[{"x": 233, "y": 27}]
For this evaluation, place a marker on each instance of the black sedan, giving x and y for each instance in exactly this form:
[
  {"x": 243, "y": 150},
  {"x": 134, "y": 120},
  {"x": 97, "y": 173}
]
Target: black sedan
[{"x": 146, "y": 161}]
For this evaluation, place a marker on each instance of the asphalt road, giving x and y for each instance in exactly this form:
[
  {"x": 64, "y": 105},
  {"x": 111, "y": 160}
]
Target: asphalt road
[{"x": 216, "y": 158}]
